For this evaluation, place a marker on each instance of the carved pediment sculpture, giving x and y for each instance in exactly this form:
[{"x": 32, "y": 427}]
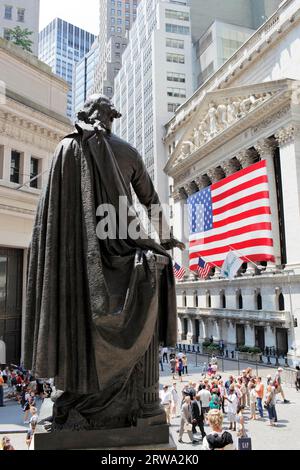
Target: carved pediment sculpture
[
  {"x": 221, "y": 114},
  {"x": 216, "y": 118}
]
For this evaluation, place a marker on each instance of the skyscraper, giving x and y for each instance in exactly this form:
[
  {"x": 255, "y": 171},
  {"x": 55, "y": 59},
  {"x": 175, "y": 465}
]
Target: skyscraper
[
  {"x": 22, "y": 13},
  {"x": 83, "y": 78},
  {"x": 116, "y": 19},
  {"x": 218, "y": 31},
  {"x": 155, "y": 79},
  {"x": 61, "y": 46}
]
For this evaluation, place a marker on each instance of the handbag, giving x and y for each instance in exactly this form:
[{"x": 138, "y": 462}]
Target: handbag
[{"x": 188, "y": 427}]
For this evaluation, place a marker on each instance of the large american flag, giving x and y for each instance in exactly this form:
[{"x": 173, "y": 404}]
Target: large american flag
[{"x": 234, "y": 214}]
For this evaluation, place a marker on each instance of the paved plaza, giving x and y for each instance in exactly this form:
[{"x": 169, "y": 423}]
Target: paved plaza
[{"x": 283, "y": 437}]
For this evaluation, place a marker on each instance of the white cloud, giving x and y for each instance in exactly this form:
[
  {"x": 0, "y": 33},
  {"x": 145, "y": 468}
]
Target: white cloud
[{"x": 81, "y": 13}]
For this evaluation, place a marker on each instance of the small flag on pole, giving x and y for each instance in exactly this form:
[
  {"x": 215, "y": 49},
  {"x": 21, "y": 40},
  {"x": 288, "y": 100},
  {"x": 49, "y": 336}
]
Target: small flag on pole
[
  {"x": 203, "y": 268},
  {"x": 179, "y": 272},
  {"x": 231, "y": 265}
]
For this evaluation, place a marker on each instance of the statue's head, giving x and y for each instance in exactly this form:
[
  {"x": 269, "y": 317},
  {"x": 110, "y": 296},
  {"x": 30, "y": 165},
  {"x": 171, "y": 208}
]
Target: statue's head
[{"x": 99, "y": 108}]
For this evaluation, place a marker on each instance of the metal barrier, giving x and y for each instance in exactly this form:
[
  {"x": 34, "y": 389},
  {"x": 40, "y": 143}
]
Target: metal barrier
[{"x": 288, "y": 375}]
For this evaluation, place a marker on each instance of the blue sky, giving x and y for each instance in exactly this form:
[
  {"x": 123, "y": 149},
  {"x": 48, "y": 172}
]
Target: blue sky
[{"x": 82, "y": 13}]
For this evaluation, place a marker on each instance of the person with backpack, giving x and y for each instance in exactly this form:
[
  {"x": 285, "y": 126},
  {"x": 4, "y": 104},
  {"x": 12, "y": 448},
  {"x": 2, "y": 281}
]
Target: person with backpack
[{"x": 217, "y": 439}]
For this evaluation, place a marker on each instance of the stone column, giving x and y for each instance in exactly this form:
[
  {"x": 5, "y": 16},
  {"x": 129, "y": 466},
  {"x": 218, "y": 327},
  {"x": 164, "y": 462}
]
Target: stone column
[
  {"x": 270, "y": 338},
  {"x": 249, "y": 334},
  {"x": 180, "y": 329},
  {"x": 246, "y": 157},
  {"x": 289, "y": 144},
  {"x": 204, "y": 329},
  {"x": 217, "y": 335},
  {"x": 5, "y": 161},
  {"x": 216, "y": 174},
  {"x": 190, "y": 335},
  {"x": 266, "y": 149},
  {"x": 230, "y": 166},
  {"x": 181, "y": 227},
  {"x": 231, "y": 333},
  {"x": 25, "y": 168}
]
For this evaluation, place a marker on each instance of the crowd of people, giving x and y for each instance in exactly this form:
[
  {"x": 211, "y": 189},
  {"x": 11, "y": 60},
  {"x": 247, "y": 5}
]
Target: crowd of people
[
  {"x": 26, "y": 390},
  {"x": 206, "y": 402}
]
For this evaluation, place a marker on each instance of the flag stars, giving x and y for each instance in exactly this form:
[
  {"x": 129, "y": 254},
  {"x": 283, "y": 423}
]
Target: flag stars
[{"x": 200, "y": 209}]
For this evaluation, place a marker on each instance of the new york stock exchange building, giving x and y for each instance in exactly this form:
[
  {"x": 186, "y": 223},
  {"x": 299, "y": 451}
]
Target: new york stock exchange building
[{"x": 247, "y": 112}]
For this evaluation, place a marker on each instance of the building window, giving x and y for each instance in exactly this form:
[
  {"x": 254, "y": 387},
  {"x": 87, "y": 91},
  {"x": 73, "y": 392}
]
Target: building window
[
  {"x": 34, "y": 172},
  {"x": 239, "y": 300},
  {"x": 119, "y": 30},
  {"x": 196, "y": 299},
  {"x": 176, "y": 29},
  {"x": 176, "y": 92},
  {"x": 176, "y": 77},
  {"x": 172, "y": 107},
  {"x": 206, "y": 73},
  {"x": 15, "y": 167},
  {"x": 118, "y": 45},
  {"x": 176, "y": 43},
  {"x": 204, "y": 43},
  {"x": 6, "y": 34},
  {"x": 112, "y": 29},
  {"x": 208, "y": 300},
  {"x": 281, "y": 303},
  {"x": 240, "y": 335},
  {"x": 178, "y": 15},
  {"x": 258, "y": 301},
  {"x": 222, "y": 299},
  {"x": 21, "y": 15},
  {"x": 175, "y": 58},
  {"x": 184, "y": 303},
  {"x": 8, "y": 12}
]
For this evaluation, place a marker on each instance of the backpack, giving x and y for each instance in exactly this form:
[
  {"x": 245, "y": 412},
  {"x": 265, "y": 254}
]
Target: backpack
[{"x": 219, "y": 442}]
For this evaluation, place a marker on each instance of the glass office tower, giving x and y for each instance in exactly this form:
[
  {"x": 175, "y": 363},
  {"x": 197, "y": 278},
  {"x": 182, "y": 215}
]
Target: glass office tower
[{"x": 62, "y": 45}]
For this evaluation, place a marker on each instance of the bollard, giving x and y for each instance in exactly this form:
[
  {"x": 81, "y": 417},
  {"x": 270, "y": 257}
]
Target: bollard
[{"x": 286, "y": 362}]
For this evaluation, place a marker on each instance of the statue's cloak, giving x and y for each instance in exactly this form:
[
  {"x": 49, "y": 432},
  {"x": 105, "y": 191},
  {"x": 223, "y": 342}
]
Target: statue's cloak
[{"x": 92, "y": 305}]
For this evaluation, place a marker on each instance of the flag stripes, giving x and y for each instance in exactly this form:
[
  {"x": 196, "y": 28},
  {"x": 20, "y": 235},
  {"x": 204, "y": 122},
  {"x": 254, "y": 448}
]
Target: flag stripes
[{"x": 232, "y": 213}]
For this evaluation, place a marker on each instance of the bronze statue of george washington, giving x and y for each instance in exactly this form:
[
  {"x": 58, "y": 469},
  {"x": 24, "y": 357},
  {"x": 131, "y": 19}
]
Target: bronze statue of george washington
[{"x": 92, "y": 304}]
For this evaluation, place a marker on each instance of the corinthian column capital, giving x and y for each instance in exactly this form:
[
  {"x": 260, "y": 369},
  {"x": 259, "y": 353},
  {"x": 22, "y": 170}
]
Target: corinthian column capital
[
  {"x": 266, "y": 147},
  {"x": 286, "y": 134},
  {"x": 247, "y": 157}
]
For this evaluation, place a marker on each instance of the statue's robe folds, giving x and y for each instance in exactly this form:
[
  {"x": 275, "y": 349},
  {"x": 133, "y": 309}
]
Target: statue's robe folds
[{"x": 92, "y": 304}]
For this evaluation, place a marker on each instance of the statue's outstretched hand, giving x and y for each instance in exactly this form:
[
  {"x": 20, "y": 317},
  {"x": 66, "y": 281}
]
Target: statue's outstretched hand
[{"x": 172, "y": 243}]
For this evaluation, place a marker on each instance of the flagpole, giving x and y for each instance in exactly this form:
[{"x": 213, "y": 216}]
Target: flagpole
[{"x": 243, "y": 256}]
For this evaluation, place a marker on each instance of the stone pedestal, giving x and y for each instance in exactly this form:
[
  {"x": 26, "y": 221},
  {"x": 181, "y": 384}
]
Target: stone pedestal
[{"x": 150, "y": 432}]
